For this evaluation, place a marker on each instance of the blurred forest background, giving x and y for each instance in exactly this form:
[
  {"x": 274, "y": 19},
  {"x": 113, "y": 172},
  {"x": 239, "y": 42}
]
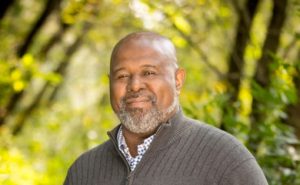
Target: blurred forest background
[{"x": 243, "y": 75}]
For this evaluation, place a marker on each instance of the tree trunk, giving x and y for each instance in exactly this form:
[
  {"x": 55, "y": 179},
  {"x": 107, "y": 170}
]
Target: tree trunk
[
  {"x": 16, "y": 96},
  {"x": 10, "y": 106},
  {"x": 60, "y": 70},
  {"x": 4, "y": 6},
  {"x": 48, "y": 9},
  {"x": 54, "y": 39},
  {"x": 63, "y": 67},
  {"x": 262, "y": 74},
  {"x": 293, "y": 111},
  {"x": 236, "y": 58}
]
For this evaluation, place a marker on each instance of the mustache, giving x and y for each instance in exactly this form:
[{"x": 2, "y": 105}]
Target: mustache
[{"x": 132, "y": 95}]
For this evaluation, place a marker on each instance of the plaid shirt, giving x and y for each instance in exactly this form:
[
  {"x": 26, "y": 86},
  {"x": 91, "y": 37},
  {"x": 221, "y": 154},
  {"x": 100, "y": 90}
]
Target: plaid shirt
[{"x": 141, "y": 149}]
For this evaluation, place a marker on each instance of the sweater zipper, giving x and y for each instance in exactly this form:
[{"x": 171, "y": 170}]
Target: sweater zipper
[
  {"x": 151, "y": 146},
  {"x": 129, "y": 172}
]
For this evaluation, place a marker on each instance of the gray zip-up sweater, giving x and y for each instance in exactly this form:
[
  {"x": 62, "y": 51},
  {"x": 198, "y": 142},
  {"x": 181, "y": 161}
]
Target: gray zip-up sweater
[{"x": 183, "y": 152}]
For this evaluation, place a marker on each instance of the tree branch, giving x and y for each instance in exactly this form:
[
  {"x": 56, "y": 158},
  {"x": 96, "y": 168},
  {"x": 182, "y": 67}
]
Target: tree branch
[
  {"x": 4, "y": 6},
  {"x": 48, "y": 9},
  {"x": 61, "y": 70},
  {"x": 194, "y": 46},
  {"x": 263, "y": 73}
]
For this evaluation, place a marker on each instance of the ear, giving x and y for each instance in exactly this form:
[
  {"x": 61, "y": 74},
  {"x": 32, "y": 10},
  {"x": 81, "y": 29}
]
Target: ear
[{"x": 179, "y": 79}]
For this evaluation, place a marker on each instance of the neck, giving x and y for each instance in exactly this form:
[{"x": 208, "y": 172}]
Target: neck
[{"x": 134, "y": 139}]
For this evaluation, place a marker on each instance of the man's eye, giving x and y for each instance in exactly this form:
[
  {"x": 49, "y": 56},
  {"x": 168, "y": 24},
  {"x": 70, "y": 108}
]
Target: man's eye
[
  {"x": 122, "y": 76},
  {"x": 147, "y": 73}
]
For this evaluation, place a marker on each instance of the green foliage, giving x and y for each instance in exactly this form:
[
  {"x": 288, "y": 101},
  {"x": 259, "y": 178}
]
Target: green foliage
[
  {"x": 74, "y": 114},
  {"x": 277, "y": 144}
]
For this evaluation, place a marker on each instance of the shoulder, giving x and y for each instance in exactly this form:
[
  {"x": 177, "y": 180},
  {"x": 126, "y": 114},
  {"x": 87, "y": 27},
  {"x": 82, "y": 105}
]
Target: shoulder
[
  {"x": 94, "y": 165},
  {"x": 217, "y": 144},
  {"x": 233, "y": 161},
  {"x": 89, "y": 157},
  {"x": 208, "y": 131}
]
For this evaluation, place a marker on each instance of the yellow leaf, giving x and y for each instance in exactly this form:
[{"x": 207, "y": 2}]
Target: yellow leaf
[
  {"x": 54, "y": 78},
  {"x": 182, "y": 24},
  {"x": 27, "y": 60},
  {"x": 179, "y": 41},
  {"x": 16, "y": 74},
  {"x": 18, "y": 85},
  {"x": 220, "y": 87},
  {"x": 246, "y": 101}
]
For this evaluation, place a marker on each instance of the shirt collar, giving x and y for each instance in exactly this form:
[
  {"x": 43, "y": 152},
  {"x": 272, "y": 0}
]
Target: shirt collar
[
  {"x": 122, "y": 143},
  {"x": 141, "y": 149}
]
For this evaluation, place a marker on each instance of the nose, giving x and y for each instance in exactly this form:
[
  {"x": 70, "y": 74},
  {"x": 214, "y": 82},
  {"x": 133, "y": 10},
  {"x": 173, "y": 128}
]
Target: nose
[{"x": 135, "y": 84}]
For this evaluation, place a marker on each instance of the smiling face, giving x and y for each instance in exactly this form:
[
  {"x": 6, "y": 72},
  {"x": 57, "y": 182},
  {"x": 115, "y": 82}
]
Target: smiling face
[{"x": 144, "y": 82}]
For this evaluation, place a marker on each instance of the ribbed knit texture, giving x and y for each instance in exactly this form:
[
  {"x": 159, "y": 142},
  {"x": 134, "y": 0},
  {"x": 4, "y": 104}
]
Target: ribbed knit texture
[{"x": 183, "y": 152}]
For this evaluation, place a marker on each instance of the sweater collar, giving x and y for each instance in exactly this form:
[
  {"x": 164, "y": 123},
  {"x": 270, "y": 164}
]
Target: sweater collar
[{"x": 167, "y": 133}]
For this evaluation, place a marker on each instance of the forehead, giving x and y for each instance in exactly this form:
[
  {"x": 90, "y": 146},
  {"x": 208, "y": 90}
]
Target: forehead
[{"x": 134, "y": 54}]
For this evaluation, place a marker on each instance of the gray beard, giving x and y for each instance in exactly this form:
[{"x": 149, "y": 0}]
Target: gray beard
[{"x": 144, "y": 121}]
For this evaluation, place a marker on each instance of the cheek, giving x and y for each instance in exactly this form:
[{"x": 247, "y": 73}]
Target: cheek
[
  {"x": 117, "y": 91},
  {"x": 165, "y": 95}
]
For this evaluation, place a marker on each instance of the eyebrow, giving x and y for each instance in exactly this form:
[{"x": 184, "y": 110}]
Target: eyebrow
[
  {"x": 149, "y": 65},
  {"x": 143, "y": 66},
  {"x": 118, "y": 69}
]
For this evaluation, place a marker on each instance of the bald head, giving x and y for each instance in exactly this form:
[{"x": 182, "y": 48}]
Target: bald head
[
  {"x": 144, "y": 81},
  {"x": 151, "y": 40}
]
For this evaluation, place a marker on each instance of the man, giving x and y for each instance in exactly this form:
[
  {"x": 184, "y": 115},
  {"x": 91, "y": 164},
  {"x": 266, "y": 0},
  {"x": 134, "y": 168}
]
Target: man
[{"x": 155, "y": 144}]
